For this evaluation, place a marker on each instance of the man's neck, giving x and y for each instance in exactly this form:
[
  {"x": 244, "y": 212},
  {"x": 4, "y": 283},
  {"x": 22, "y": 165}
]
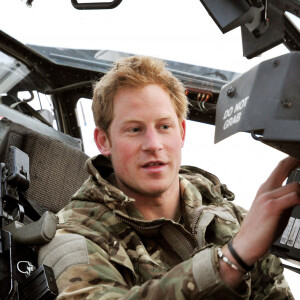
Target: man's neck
[
  {"x": 165, "y": 205},
  {"x": 152, "y": 209}
]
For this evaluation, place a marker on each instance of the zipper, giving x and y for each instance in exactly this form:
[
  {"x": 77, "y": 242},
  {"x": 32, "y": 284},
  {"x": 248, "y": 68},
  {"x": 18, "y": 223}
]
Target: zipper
[
  {"x": 132, "y": 224},
  {"x": 194, "y": 226},
  {"x": 192, "y": 243}
]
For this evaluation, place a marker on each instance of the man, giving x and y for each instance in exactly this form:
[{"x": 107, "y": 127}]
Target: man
[{"x": 141, "y": 227}]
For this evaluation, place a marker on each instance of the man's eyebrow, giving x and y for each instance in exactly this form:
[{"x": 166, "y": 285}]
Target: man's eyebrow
[
  {"x": 126, "y": 121},
  {"x": 165, "y": 118},
  {"x": 131, "y": 121}
]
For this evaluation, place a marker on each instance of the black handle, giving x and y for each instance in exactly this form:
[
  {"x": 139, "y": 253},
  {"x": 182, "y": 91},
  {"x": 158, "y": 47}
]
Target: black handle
[{"x": 97, "y": 5}]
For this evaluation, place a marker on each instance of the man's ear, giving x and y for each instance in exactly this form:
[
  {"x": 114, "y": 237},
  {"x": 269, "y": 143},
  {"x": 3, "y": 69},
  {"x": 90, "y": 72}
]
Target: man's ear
[
  {"x": 102, "y": 141},
  {"x": 183, "y": 130}
]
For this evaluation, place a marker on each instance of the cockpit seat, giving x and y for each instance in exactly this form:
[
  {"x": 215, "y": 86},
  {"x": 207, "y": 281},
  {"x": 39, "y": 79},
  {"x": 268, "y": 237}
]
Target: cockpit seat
[{"x": 56, "y": 159}]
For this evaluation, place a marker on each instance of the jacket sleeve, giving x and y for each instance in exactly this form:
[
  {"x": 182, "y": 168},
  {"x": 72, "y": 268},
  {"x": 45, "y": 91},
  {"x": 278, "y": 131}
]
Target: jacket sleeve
[
  {"x": 84, "y": 271},
  {"x": 267, "y": 280}
]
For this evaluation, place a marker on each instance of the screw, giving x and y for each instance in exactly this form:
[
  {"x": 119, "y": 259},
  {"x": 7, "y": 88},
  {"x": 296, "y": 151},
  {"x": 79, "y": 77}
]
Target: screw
[
  {"x": 230, "y": 92},
  {"x": 286, "y": 103},
  {"x": 275, "y": 63}
]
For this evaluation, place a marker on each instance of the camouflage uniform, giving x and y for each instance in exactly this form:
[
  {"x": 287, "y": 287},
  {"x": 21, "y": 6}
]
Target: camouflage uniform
[{"x": 105, "y": 249}]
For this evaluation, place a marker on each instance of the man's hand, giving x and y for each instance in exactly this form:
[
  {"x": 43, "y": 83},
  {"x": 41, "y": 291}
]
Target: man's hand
[
  {"x": 266, "y": 219},
  {"x": 269, "y": 213}
]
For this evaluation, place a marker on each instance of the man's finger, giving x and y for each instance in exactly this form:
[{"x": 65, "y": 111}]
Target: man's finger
[
  {"x": 279, "y": 174},
  {"x": 287, "y": 201},
  {"x": 293, "y": 187}
]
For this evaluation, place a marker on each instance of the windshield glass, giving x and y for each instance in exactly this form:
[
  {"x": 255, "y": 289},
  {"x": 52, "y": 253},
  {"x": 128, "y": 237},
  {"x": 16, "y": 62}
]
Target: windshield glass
[
  {"x": 18, "y": 91},
  {"x": 11, "y": 72}
]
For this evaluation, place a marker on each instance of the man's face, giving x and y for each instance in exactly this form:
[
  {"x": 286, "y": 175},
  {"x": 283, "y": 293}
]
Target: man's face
[{"x": 145, "y": 141}]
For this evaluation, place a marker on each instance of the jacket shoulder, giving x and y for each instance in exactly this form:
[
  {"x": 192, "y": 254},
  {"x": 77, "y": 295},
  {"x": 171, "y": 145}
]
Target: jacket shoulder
[{"x": 207, "y": 183}]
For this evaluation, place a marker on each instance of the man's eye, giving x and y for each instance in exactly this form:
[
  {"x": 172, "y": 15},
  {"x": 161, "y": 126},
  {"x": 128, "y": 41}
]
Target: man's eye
[
  {"x": 165, "y": 126},
  {"x": 135, "y": 129}
]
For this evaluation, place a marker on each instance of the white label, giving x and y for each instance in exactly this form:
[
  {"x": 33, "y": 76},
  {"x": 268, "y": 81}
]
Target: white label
[
  {"x": 297, "y": 243},
  {"x": 233, "y": 114},
  {"x": 293, "y": 235},
  {"x": 287, "y": 231}
]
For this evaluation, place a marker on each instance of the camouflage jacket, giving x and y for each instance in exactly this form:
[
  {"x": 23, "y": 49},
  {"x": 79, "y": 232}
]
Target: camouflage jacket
[{"x": 105, "y": 249}]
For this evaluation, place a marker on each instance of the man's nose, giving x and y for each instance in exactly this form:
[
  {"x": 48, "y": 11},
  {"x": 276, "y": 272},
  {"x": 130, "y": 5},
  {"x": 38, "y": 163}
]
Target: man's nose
[{"x": 152, "y": 141}]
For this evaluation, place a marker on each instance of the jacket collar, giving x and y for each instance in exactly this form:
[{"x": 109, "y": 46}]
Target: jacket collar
[{"x": 197, "y": 187}]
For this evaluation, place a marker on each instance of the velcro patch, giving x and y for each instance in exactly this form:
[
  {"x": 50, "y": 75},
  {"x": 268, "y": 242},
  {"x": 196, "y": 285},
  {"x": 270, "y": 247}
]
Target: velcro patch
[{"x": 63, "y": 251}]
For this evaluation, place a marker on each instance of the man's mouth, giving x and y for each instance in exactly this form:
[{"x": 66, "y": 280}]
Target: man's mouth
[{"x": 153, "y": 164}]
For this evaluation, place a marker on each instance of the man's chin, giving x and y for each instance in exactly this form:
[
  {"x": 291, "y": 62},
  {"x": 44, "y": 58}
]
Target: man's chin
[
  {"x": 145, "y": 191},
  {"x": 145, "y": 188},
  {"x": 148, "y": 191},
  {"x": 153, "y": 193}
]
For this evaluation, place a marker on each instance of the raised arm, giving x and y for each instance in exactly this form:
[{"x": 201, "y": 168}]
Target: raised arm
[{"x": 265, "y": 220}]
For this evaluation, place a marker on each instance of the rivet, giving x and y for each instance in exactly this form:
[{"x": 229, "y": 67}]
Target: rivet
[{"x": 230, "y": 92}]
